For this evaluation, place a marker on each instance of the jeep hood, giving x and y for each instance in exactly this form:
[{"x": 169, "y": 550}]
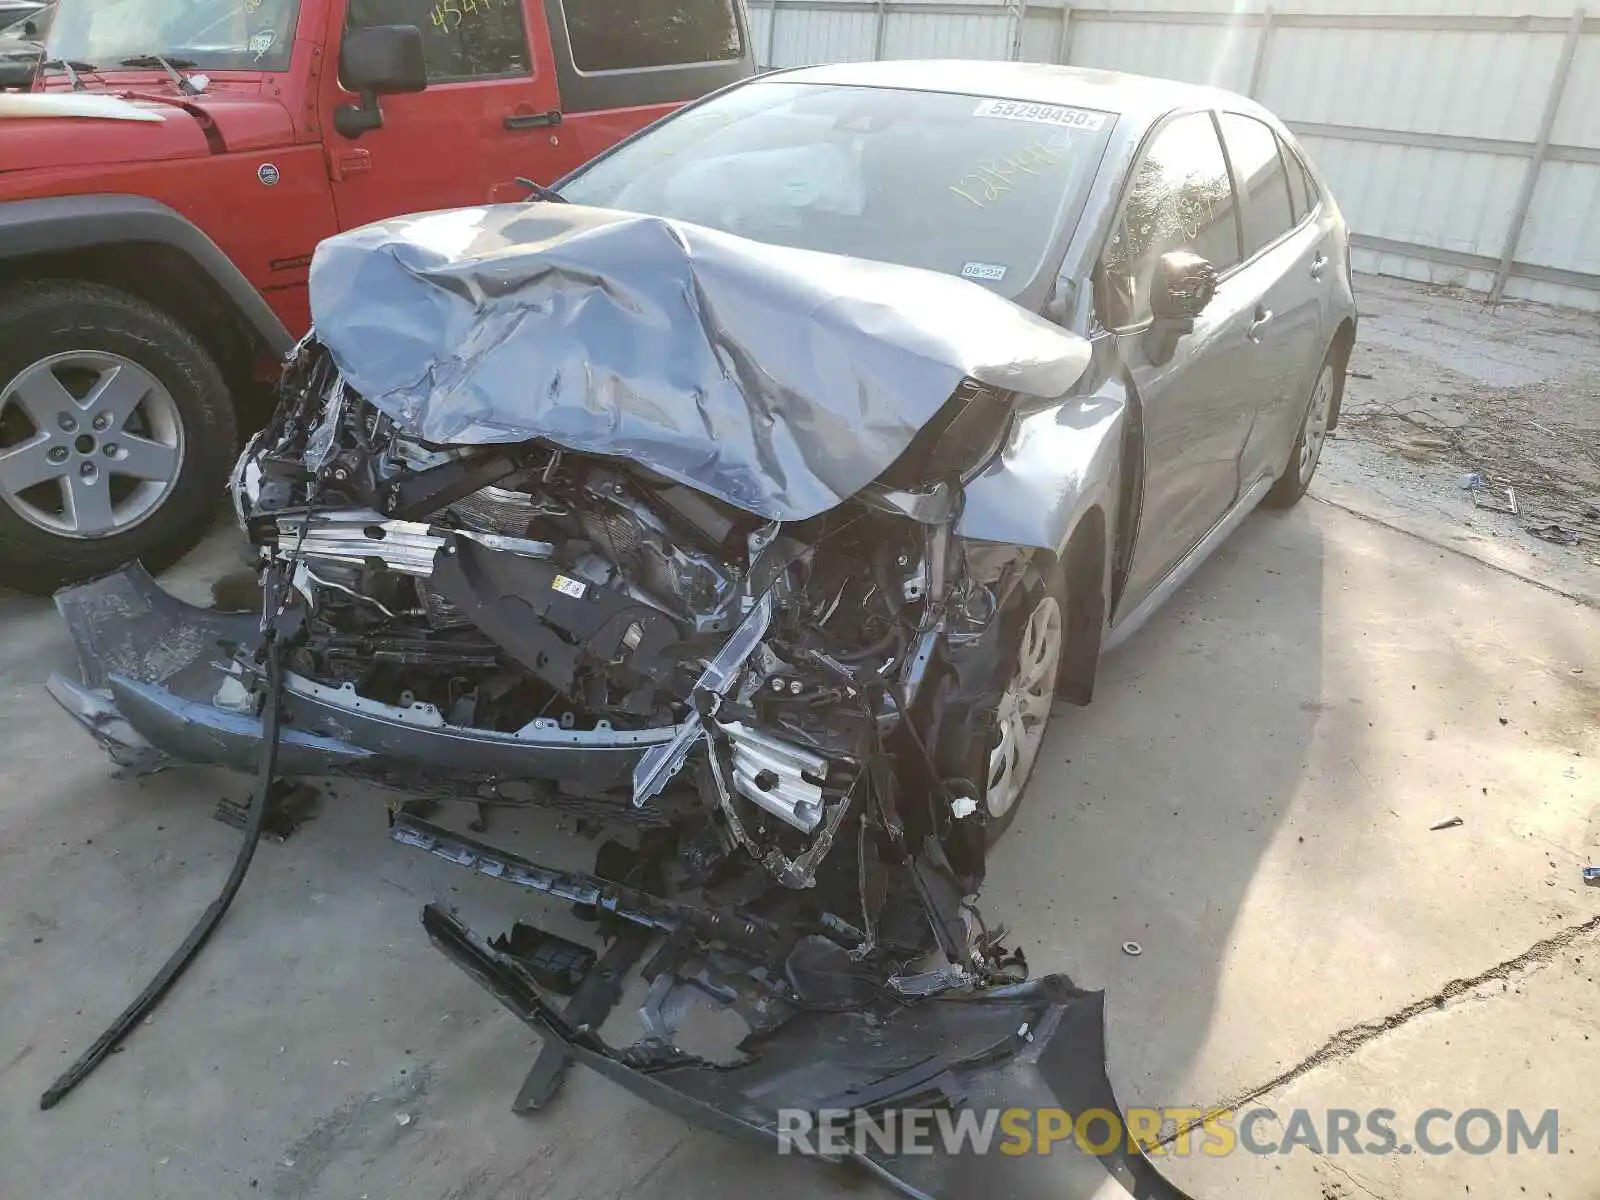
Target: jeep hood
[
  {"x": 62, "y": 129},
  {"x": 779, "y": 380}
]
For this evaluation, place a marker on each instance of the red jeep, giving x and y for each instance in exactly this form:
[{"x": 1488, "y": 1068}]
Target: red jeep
[{"x": 165, "y": 182}]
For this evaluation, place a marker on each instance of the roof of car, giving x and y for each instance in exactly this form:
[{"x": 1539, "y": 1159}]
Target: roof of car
[{"x": 1140, "y": 96}]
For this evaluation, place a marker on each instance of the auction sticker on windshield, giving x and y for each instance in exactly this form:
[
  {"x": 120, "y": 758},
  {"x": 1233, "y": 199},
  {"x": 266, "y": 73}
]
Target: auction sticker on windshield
[
  {"x": 1043, "y": 114},
  {"x": 993, "y": 272}
]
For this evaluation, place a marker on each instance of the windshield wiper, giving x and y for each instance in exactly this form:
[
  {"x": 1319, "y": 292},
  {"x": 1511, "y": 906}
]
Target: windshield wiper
[
  {"x": 539, "y": 192},
  {"x": 71, "y": 66},
  {"x": 170, "y": 65}
]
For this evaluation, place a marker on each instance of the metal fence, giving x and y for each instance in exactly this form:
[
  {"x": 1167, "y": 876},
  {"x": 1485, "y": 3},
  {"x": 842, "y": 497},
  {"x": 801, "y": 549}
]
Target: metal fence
[{"x": 1463, "y": 147}]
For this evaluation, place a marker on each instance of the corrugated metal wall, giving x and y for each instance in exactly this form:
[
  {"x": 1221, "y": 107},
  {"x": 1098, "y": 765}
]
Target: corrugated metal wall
[{"x": 1449, "y": 131}]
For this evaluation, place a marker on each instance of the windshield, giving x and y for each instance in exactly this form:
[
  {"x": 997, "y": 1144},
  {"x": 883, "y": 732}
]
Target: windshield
[
  {"x": 249, "y": 35},
  {"x": 966, "y": 185}
]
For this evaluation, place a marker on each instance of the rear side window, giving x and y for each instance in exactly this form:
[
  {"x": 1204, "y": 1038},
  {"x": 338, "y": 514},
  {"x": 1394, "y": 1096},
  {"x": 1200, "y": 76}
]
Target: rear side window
[
  {"x": 461, "y": 39},
  {"x": 1181, "y": 199},
  {"x": 1298, "y": 200},
  {"x": 628, "y": 35},
  {"x": 1268, "y": 211},
  {"x": 1301, "y": 185}
]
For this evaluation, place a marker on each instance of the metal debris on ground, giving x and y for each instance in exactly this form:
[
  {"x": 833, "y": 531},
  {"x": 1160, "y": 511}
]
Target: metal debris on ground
[
  {"x": 290, "y": 805},
  {"x": 1450, "y": 824},
  {"x": 1132, "y": 949},
  {"x": 1509, "y": 508},
  {"x": 1560, "y": 535},
  {"x": 1591, "y": 876}
]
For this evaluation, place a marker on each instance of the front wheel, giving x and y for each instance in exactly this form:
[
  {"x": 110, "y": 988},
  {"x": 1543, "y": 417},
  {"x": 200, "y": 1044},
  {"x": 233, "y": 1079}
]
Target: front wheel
[
  {"x": 1024, "y": 708},
  {"x": 1307, "y": 450},
  {"x": 116, "y": 434}
]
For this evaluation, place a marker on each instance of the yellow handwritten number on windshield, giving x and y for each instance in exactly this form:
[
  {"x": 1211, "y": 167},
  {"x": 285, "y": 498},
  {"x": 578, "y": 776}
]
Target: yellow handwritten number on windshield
[{"x": 992, "y": 178}]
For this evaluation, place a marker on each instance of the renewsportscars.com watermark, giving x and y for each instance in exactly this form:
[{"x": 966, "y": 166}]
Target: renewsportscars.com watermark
[{"x": 1159, "y": 1132}]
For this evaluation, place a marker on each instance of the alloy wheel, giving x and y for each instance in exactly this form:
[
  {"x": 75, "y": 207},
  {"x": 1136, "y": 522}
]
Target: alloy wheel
[
  {"x": 91, "y": 444},
  {"x": 1316, "y": 431},
  {"x": 1024, "y": 709}
]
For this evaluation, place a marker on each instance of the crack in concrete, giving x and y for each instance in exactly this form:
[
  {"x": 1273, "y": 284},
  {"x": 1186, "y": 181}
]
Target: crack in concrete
[
  {"x": 1347, "y": 1041},
  {"x": 1576, "y": 598},
  {"x": 1353, "y": 1179}
]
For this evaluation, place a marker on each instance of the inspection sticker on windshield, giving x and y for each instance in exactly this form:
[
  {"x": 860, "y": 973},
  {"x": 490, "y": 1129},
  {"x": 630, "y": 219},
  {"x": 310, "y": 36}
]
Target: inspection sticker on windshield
[
  {"x": 1041, "y": 114},
  {"x": 568, "y": 587},
  {"x": 993, "y": 272}
]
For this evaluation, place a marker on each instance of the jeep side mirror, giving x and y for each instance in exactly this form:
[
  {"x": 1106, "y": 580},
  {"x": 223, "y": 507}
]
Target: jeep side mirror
[{"x": 378, "y": 60}]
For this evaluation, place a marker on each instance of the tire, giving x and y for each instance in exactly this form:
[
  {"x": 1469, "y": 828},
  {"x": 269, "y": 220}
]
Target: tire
[
  {"x": 1306, "y": 453},
  {"x": 1024, "y": 679},
  {"x": 82, "y": 366}
]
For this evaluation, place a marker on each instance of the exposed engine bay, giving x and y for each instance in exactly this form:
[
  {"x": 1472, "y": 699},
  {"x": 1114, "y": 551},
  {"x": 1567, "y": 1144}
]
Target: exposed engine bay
[{"x": 765, "y": 682}]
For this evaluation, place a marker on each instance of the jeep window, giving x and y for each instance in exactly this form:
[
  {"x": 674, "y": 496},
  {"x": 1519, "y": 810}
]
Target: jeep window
[
  {"x": 242, "y": 35},
  {"x": 626, "y": 35},
  {"x": 29, "y": 25},
  {"x": 461, "y": 39},
  {"x": 967, "y": 185}
]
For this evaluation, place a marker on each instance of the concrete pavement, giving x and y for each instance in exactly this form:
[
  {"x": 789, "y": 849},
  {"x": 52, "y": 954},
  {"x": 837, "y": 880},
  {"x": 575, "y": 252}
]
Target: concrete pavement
[{"x": 1249, "y": 798}]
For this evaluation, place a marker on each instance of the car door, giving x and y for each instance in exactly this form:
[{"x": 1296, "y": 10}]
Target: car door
[
  {"x": 484, "y": 118},
  {"x": 1197, "y": 398},
  {"x": 1285, "y": 264}
]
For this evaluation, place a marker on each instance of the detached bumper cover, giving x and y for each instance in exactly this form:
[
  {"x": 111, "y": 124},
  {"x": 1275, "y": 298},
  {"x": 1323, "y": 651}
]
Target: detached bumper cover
[
  {"x": 151, "y": 664},
  {"x": 1037, "y": 1045}
]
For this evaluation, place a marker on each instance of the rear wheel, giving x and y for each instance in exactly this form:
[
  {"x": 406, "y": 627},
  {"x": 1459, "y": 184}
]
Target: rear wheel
[
  {"x": 1307, "y": 450},
  {"x": 116, "y": 434}
]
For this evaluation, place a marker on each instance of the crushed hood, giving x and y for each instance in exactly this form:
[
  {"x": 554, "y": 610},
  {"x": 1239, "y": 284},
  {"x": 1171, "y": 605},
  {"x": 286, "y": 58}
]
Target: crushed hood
[{"x": 781, "y": 381}]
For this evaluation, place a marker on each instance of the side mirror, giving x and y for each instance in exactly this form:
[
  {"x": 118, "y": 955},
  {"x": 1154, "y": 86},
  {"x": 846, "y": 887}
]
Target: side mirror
[
  {"x": 1183, "y": 286},
  {"x": 378, "y": 60}
]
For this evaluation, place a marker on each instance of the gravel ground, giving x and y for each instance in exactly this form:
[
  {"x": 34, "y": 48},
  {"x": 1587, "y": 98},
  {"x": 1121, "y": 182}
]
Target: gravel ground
[{"x": 1442, "y": 388}]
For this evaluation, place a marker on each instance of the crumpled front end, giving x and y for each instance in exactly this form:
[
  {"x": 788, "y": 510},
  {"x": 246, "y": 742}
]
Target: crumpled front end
[{"x": 779, "y": 686}]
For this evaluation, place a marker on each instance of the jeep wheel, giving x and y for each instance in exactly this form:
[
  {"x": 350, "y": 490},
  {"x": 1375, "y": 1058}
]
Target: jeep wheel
[{"x": 116, "y": 434}]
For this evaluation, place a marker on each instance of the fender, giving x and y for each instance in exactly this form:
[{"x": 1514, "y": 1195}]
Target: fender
[
  {"x": 1062, "y": 458},
  {"x": 66, "y": 223}
]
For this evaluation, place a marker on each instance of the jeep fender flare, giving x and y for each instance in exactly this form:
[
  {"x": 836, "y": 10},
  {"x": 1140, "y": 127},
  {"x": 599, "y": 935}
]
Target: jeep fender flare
[{"x": 65, "y": 223}]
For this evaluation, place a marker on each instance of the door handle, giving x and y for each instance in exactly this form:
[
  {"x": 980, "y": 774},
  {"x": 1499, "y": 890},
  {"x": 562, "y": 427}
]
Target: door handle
[
  {"x": 532, "y": 120},
  {"x": 1263, "y": 315},
  {"x": 343, "y": 163},
  {"x": 1318, "y": 265}
]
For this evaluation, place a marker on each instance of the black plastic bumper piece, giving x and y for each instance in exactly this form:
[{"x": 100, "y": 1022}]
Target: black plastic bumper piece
[{"x": 1037, "y": 1045}]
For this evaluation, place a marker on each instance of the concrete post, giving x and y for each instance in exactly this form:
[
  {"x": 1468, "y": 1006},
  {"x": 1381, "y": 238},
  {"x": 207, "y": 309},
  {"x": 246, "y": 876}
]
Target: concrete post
[
  {"x": 772, "y": 34},
  {"x": 1064, "y": 47},
  {"x": 1530, "y": 177},
  {"x": 1263, "y": 48}
]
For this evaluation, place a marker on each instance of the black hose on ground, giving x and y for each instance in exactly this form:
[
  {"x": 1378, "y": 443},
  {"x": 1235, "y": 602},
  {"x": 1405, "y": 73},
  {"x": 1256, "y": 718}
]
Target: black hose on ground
[{"x": 209, "y": 920}]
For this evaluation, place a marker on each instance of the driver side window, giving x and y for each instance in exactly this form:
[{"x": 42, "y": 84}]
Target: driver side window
[
  {"x": 461, "y": 39},
  {"x": 1181, "y": 199}
]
